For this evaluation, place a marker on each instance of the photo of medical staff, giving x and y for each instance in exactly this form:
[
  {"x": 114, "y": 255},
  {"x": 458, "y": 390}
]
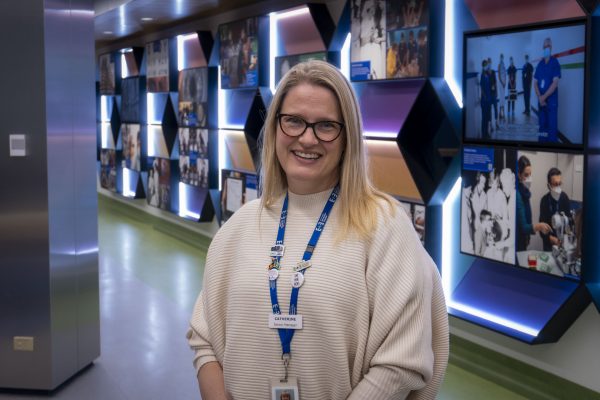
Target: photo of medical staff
[
  {"x": 130, "y": 100},
  {"x": 389, "y": 39},
  {"x": 106, "y": 64},
  {"x": 157, "y": 66},
  {"x": 488, "y": 203},
  {"x": 549, "y": 212},
  {"x": 193, "y": 156},
  {"x": 108, "y": 169},
  {"x": 132, "y": 146},
  {"x": 159, "y": 188},
  {"x": 526, "y": 86},
  {"x": 239, "y": 53},
  {"x": 193, "y": 97}
]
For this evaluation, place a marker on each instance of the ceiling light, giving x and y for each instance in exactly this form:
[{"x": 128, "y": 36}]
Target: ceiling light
[{"x": 147, "y": 19}]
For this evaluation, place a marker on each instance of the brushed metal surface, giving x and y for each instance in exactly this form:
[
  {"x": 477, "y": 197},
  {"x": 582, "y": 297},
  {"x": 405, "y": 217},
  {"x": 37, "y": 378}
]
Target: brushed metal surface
[{"x": 48, "y": 204}]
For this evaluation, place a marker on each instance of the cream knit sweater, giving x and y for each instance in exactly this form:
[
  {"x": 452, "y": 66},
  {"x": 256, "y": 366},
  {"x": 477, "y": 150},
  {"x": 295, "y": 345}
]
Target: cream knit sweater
[{"x": 375, "y": 322}]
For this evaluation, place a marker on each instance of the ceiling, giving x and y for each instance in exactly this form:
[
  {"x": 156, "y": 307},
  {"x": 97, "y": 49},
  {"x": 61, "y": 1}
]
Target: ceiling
[{"x": 118, "y": 19}]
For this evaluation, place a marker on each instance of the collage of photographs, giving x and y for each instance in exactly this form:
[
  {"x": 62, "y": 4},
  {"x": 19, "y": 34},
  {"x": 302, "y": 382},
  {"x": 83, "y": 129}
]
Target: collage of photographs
[
  {"x": 193, "y": 97},
  {"x": 523, "y": 208},
  {"x": 389, "y": 39},
  {"x": 193, "y": 156},
  {"x": 239, "y": 54}
]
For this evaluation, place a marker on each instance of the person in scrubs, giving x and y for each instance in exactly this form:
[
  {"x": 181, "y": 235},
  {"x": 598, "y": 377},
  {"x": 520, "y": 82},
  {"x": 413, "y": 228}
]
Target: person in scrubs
[{"x": 545, "y": 83}]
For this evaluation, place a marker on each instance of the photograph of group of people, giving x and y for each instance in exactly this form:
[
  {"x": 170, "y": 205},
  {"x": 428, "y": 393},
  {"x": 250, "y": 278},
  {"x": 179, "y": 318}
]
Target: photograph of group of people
[
  {"x": 416, "y": 213},
  {"x": 526, "y": 86},
  {"x": 523, "y": 208},
  {"x": 239, "y": 53},
  {"x": 108, "y": 169},
  {"x": 284, "y": 63},
  {"x": 193, "y": 156},
  {"x": 193, "y": 97},
  {"x": 106, "y": 63},
  {"x": 389, "y": 39},
  {"x": 238, "y": 188},
  {"x": 132, "y": 146},
  {"x": 130, "y": 100},
  {"x": 157, "y": 66},
  {"x": 159, "y": 188}
]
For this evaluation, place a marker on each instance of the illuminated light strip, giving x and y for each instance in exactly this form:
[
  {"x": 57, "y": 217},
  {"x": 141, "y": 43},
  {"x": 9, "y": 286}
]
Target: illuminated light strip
[
  {"x": 150, "y": 109},
  {"x": 345, "y": 57},
  {"x": 152, "y": 151},
  {"x": 184, "y": 211},
  {"x": 382, "y": 135},
  {"x": 123, "y": 66},
  {"x": 180, "y": 48},
  {"x": 104, "y": 109},
  {"x": 449, "y": 54},
  {"x": 104, "y": 132},
  {"x": 273, "y": 43},
  {"x": 448, "y": 230},
  {"x": 494, "y": 318},
  {"x": 222, "y": 105},
  {"x": 292, "y": 13},
  {"x": 127, "y": 183}
]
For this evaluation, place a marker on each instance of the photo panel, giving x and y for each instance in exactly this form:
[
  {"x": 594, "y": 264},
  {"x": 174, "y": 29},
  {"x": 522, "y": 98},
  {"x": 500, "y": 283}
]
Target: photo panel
[
  {"x": 389, "y": 39},
  {"x": 132, "y": 146},
  {"x": 239, "y": 53},
  {"x": 232, "y": 193},
  {"x": 416, "y": 213},
  {"x": 525, "y": 85},
  {"x": 159, "y": 188},
  {"x": 550, "y": 213},
  {"x": 193, "y": 97},
  {"x": 193, "y": 156},
  {"x": 157, "y": 66},
  {"x": 488, "y": 203},
  {"x": 107, "y": 74},
  {"x": 284, "y": 63},
  {"x": 108, "y": 169}
]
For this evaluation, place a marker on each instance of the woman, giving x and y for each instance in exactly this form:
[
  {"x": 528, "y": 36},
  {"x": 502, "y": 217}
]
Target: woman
[
  {"x": 525, "y": 226},
  {"x": 374, "y": 319}
]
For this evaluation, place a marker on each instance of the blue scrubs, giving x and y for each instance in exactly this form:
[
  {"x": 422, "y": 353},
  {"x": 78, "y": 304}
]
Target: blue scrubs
[{"x": 545, "y": 72}]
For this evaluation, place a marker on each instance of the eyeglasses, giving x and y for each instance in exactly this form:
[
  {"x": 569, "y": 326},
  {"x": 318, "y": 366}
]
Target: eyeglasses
[{"x": 294, "y": 126}]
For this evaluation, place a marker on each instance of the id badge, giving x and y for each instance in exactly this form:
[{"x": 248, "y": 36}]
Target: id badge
[{"x": 285, "y": 390}]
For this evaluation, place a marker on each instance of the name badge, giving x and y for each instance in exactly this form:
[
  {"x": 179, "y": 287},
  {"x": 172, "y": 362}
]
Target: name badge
[
  {"x": 283, "y": 321},
  {"x": 277, "y": 250}
]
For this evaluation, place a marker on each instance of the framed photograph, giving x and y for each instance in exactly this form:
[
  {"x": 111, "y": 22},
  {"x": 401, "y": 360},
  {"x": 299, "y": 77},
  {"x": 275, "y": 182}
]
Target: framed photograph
[
  {"x": 106, "y": 63},
  {"x": 284, "y": 63},
  {"x": 193, "y": 97},
  {"x": 108, "y": 170},
  {"x": 157, "y": 66},
  {"x": 132, "y": 146},
  {"x": 159, "y": 188},
  {"x": 239, "y": 53}
]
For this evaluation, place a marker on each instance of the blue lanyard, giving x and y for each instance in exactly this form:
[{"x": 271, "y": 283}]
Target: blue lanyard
[{"x": 286, "y": 335}]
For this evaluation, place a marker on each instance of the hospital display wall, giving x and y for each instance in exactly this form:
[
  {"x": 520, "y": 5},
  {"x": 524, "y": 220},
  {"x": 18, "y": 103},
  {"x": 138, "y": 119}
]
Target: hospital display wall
[{"x": 411, "y": 126}]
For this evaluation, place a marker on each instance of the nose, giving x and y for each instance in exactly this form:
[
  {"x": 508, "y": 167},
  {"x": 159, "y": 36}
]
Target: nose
[{"x": 309, "y": 137}]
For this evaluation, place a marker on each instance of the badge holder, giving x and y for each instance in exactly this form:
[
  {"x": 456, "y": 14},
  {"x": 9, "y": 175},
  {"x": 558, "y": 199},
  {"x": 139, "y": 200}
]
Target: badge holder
[{"x": 286, "y": 388}]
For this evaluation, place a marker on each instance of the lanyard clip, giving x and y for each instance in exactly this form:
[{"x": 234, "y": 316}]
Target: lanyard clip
[{"x": 286, "y": 357}]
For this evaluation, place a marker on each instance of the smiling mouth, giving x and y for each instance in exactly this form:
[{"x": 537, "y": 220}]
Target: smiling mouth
[{"x": 306, "y": 156}]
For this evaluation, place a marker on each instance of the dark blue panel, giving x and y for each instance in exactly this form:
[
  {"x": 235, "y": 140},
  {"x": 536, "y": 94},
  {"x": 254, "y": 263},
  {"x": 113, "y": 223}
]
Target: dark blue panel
[
  {"x": 527, "y": 298},
  {"x": 591, "y": 269},
  {"x": 238, "y": 104}
]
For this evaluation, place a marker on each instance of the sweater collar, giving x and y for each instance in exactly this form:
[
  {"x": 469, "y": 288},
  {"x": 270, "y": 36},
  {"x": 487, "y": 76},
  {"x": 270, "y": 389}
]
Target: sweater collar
[{"x": 309, "y": 201}]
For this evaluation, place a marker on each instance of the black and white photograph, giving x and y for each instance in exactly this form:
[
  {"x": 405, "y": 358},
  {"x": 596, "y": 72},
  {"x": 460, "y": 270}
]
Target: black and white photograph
[
  {"x": 106, "y": 63},
  {"x": 416, "y": 213},
  {"x": 132, "y": 146},
  {"x": 157, "y": 66},
  {"x": 488, "y": 203},
  {"x": 193, "y": 97},
  {"x": 159, "y": 188},
  {"x": 549, "y": 212},
  {"x": 239, "y": 53},
  {"x": 108, "y": 170},
  {"x": 389, "y": 39},
  {"x": 130, "y": 100}
]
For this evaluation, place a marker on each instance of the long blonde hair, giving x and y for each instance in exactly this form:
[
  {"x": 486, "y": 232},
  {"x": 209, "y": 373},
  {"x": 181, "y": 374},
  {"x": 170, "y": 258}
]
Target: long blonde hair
[{"x": 358, "y": 201}]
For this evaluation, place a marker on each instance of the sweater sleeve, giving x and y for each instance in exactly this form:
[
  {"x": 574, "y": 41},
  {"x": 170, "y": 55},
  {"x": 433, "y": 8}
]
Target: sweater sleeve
[
  {"x": 198, "y": 336},
  {"x": 401, "y": 279}
]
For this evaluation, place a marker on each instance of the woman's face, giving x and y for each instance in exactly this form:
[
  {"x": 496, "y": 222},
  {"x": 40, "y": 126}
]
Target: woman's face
[
  {"x": 526, "y": 173},
  {"x": 310, "y": 165}
]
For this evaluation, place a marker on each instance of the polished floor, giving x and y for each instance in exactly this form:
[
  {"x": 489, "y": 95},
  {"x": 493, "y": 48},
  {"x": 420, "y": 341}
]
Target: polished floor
[{"x": 148, "y": 284}]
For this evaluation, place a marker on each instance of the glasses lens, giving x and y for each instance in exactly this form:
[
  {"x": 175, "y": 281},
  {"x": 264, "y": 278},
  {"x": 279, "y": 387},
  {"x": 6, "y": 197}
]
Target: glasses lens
[
  {"x": 292, "y": 125},
  {"x": 327, "y": 130}
]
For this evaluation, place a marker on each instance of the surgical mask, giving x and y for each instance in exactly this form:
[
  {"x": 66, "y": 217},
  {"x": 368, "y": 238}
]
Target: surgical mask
[
  {"x": 555, "y": 192},
  {"x": 546, "y": 52},
  {"x": 527, "y": 182}
]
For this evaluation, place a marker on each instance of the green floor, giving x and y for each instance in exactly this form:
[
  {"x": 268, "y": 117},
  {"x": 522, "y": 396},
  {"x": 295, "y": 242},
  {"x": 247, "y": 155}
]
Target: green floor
[{"x": 173, "y": 267}]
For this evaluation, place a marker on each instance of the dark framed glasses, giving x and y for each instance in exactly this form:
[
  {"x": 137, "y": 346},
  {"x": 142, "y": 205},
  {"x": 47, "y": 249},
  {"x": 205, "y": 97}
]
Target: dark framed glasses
[{"x": 294, "y": 126}]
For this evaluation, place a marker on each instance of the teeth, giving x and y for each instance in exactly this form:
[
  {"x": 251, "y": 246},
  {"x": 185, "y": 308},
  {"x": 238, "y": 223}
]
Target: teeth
[{"x": 311, "y": 156}]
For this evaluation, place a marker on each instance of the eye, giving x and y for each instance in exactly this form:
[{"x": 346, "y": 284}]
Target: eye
[
  {"x": 293, "y": 121},
  {"x": 327, "y": 126}
]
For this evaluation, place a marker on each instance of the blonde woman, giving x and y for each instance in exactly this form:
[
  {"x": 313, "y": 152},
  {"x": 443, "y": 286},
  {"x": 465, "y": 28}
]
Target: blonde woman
[{"x": 373, "y": 320}]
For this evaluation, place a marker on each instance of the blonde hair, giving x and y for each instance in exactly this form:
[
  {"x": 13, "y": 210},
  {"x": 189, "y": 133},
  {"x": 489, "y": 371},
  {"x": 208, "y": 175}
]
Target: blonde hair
[{"x": 358, "y": 201}]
